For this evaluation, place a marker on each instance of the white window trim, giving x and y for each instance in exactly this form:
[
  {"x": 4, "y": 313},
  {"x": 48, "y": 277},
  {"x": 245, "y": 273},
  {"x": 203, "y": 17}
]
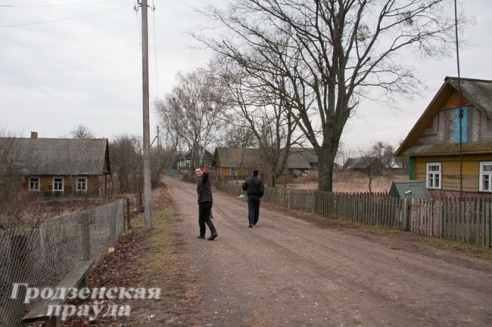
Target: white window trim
[
  {"x": 439, "y": 173},
  {"x": 85, "y": 183},
  {"x": 481, "y": 186},
  {"x": 62, "y": 184},
  {"x": 39, "y": 184}
]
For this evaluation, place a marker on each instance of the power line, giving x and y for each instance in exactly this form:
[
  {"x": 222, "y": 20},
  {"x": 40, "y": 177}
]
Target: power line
[
  {"x": 65, "y": 18},
  {"x": 61, "y": 5}
]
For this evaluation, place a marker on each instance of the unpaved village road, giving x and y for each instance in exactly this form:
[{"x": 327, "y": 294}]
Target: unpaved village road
[{"x": 288, "y": 272}]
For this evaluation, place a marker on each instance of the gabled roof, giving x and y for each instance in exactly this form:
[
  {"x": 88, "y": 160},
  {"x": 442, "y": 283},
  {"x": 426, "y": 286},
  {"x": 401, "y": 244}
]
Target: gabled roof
[
  {"x": 62, "y": 157},
  {"x": 206, "y": 155},
  {"x": 358, "y": 163},
  {"x": 301, "y": 158},
  {"x": 236, "y": 157},
  {"x": 477, "y": 92}
]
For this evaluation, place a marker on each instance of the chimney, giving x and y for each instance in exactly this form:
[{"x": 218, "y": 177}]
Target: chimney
[{"x": 34, "y": 135}]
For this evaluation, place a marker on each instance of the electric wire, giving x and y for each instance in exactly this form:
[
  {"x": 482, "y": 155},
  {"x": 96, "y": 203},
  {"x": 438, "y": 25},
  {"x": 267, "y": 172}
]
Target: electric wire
[
  {"x": 65, "y": 18},
  {"x": 61, "y": 5}
]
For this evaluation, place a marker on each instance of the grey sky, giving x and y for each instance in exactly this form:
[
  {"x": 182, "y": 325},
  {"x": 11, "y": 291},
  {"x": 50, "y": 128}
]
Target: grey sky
[{"x": 70, "y": 62}]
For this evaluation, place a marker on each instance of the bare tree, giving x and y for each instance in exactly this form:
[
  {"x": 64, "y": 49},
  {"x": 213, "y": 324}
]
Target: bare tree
[
  {"x": 10, "y": 169},
  {"x": 193, "y": 112},
  {"x": 126, "y": 162},
  {"x": 264, "y": 114},
  {"x": 332, "y": 53},
  {"x": 82, "y": 132}
]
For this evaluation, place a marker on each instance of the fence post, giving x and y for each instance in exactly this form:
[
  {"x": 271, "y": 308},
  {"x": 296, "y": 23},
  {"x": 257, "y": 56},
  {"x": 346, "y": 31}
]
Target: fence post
[
  {"x": 128, "y": 220},
  {"x": 85, "y": 234},
  {"x": 406, "y": 209},
  {"x": 112, "y": 224}
]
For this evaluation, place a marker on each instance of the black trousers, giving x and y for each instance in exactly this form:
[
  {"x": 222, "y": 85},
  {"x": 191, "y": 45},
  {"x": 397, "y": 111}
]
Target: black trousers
[
  {"x": 253, "y": 209},
  {"x": 204, "y": 218}
]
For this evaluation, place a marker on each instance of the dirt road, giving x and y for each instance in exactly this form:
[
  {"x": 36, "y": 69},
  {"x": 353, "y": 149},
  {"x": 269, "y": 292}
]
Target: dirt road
[{"x": 288, "y": 272}]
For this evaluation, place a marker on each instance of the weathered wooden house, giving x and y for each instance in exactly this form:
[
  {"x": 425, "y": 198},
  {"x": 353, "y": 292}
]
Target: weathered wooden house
[
  {"x": 301, "y": 160},
  {"x": 235, "y": 162},
  {"x": 240, "y": 162},
  {"x": 57, "y": 167},
  {"x": 450, "y": 146},
  {"x": 200, "y": 157}
]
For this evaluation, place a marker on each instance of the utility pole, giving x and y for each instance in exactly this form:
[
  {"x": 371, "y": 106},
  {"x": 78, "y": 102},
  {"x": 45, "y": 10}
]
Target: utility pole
[{"x": 146, "y": 124}]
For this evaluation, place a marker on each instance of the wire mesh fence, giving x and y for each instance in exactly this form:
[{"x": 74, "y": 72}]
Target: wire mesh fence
[{"x": 40, "y": 256}]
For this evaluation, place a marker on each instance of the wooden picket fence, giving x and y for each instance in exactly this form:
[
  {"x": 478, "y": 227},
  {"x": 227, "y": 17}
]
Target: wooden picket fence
[{"x": 468, "y": 221}]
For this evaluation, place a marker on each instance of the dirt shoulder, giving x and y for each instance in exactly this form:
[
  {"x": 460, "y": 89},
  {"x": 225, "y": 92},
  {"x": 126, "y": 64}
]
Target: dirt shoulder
[{"x": 148, "y": 259}]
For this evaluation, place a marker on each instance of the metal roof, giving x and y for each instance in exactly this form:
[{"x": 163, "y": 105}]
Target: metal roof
[{"x": 410, "y": 189}]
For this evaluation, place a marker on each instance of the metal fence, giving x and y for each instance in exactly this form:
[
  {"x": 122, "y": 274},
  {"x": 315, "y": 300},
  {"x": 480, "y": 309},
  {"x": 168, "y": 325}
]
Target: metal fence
[
  {"x": 468, "y": 220},
  {"x": 41, "y": 256}
]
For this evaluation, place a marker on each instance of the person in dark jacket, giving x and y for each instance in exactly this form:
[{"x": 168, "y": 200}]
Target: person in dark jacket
[
  {"x": 205, "y": 201},
  {"x": 254, "y": 190}
]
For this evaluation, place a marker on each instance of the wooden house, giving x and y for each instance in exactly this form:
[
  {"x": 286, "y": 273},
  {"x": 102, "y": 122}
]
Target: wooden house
[
  {"x": 300, "y": 161},
  {"x": 57, "y": 167},
  {"x": 233, "y": 163},
  {"x": 240, "y": 162},
  {"x": 450, "y": 146},
  {"x": 200, "y": 156}
]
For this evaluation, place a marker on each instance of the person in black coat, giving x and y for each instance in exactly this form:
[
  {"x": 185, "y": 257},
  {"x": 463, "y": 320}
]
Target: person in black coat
[
  {"x": 254, "y": 190},
  {"x": 205, "y": 201}
]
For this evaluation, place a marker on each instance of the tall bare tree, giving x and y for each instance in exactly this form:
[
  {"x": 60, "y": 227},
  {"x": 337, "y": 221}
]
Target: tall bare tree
[
  {"x": 126, "y": 162},
  {"x": 264, "y": 114},
  {"x": 332, "y": 53},
  {"x": 193, "y": 111}
]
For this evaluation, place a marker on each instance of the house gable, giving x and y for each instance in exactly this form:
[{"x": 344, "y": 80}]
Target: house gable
[
  {"x": 437, "y": 130},
  {"x": 450, "y": 146}
]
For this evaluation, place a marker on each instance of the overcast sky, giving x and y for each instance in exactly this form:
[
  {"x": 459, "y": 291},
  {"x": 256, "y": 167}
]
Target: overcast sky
[{"x": 70, "y": 62}]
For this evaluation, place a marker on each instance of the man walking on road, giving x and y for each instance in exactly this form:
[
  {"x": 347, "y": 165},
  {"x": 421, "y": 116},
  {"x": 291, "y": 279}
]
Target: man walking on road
[
  {"x": 254, "y": 190},
  {"x": 205, "y": 201}
]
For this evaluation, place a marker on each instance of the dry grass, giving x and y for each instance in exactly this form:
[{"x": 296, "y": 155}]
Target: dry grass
[{"x": 349, "y": 182}]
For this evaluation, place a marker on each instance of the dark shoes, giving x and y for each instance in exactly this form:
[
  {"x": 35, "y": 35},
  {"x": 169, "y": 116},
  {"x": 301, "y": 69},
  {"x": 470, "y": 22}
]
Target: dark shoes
[
  {"x": 250, "y": 225},
  {"x": 212, "y": 237},
  {"x": 201, "y": 237}
]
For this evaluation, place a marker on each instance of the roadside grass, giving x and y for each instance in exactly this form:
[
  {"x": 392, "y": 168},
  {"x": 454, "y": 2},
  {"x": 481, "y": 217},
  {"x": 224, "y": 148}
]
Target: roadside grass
[{"x": 382, "y": 232}]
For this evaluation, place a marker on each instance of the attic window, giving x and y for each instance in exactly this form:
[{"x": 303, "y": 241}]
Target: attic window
[
  {"x": 486, "y": 176},
  {"x": 464, "y": 124}
]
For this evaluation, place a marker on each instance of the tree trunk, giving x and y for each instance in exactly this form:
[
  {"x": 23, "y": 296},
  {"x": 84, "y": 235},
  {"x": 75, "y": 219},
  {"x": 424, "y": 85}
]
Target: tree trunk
[{"x": 326, "y": 162}]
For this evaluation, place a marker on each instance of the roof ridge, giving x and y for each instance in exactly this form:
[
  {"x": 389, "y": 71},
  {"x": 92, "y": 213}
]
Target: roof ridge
[{"x": 467, "y": 79}]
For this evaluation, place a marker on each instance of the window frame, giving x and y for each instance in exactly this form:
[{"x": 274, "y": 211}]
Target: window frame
[
  {"x": 38, "y": 183},
  {"x": 481, "y": 175},
  {"x": 434, "y": 173},
  {"x": 77, "y": 181},
  {"x": 62, "y": 182}
]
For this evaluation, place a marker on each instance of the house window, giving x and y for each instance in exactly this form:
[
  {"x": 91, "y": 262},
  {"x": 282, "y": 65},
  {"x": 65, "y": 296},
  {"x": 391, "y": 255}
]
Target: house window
[
  {"x": 81, "y": 184},
  {"x": 464, "y": 124},
  {"x": 434, "y": 175},
  {"x": 486, "y": 176},
  {"x": 233, "y": 171},
  {"x": 57, "y": 184},
  {"x": 33, "y": 184}
]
